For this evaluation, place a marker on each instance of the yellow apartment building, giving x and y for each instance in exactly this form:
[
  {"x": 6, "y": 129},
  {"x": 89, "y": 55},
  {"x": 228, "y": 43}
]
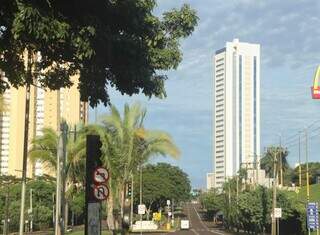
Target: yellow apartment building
[{"x": 47, "y": 109}]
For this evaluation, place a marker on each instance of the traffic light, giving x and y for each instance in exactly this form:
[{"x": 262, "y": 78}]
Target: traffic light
[{"x": 129, "y": 189}]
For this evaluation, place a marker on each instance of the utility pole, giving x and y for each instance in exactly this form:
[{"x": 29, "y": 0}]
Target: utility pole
[
  {"x": 25, "y": 152},
  {"x": 274, "y": 193},
  {"x": 64, "y": 207},
  {"x": 59, "y": 218},
  {"x": 281, "y": 168},
  {"x": 300, "y": 180},
  {"x": 307, "y": 174}
]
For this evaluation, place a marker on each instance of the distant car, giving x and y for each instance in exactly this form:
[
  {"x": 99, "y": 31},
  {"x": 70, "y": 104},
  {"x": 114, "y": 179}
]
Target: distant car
[
  {"x": 194, "y": 202},
  {"x": 184, "y": 224}
]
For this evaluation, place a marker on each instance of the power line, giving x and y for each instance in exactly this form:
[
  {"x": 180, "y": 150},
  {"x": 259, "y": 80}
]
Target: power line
[{"x": 296, "y": 139}]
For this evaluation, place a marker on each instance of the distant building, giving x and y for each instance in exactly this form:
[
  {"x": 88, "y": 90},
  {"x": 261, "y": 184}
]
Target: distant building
[
  {"x": 47, "y": 109},
  {"x": 210, "y": 180},
  {"x": 236, "y": 109}
]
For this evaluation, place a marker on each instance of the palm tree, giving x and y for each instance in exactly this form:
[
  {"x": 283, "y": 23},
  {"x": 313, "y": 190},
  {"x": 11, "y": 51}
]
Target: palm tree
[
  {"x": 267, "y": 162},
  {"x": 126, "y": 144},
  {"x": 44, "y": 150}
]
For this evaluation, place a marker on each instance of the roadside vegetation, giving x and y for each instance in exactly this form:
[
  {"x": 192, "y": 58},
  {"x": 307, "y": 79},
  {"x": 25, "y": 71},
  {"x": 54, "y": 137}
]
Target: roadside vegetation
[
  {"x": 126, "y": 146},
  {"x": 242, "y": 207}
]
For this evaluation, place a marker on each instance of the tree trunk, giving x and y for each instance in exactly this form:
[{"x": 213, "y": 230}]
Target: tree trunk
[
  {"x": 122, "y": 202},
  {"x": 66, "y": 215},
  {"x": 110, "y": 216}
]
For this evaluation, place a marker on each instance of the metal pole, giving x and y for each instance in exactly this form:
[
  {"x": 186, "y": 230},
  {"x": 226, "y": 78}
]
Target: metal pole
[
  {"x": 140, "y": 197},
  {"x": 53, "y": 209},
  {"x": 278, "y": 221},
  {"x": 58, "y": 229},
  {"x": 274, "y": 193},
  {"x": 63, "y": 178},
  {"x": 25, "y": 155},
  {"x": 31, "y": 212},
  {"x": 300, "y": 179},
  {"x": 307, "y": 174},
  {"x": 131, "y": 209}
]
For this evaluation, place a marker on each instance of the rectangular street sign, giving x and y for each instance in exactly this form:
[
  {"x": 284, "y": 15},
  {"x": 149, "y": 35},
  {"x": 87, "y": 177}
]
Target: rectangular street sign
[
  {"x": 141, "y": 209},
  {"x": 277, "y": 212},
  {"x": 312, "y": 215}
]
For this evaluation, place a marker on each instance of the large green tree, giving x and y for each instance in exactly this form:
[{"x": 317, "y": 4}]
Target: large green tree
[
  {"x": 108, "y": 43},
  {"x": 162, "y": 182},
  {"x": 42, "y": 200},
  {"x": 212, "y": 202}
]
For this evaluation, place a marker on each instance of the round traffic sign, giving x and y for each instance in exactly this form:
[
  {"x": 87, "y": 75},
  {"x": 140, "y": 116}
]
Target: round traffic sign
[
  {"x": 100, "y": 175},
  {"x": 101, "y": 192}
]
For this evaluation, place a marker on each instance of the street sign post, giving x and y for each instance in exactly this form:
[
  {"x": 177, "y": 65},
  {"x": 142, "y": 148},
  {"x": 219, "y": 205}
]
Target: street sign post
[
  {"x": 96, "y": 191},
  {"x": 312, "y": 216}
]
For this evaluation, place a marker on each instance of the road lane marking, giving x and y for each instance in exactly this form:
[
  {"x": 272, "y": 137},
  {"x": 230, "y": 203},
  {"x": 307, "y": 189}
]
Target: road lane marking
[
  {"x": 195, "y": 232},
  {"x": 207, "y": 229},
  {"x": 200, "y": 219}
]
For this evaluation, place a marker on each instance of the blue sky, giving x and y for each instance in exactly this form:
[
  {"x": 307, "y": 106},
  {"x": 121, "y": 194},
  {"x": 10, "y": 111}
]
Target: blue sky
[{"x": 287, "y": 32}]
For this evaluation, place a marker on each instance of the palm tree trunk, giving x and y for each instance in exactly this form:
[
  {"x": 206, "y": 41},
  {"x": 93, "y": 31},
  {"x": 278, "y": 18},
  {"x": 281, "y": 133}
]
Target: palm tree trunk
[
  {"x": 66, "y": 215},
  {"x": 122, "y": 204},
  {"x": 110, "y": 216}
]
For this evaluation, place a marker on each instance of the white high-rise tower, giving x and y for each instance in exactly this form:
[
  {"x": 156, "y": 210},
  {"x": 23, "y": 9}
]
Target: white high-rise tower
[{"x": 236, "y": 109}]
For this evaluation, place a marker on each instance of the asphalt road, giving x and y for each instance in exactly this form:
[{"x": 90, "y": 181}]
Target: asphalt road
[{"x": 197, "y": 227}]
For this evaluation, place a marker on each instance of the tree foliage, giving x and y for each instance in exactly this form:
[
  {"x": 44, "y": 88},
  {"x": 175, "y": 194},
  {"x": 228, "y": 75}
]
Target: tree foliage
[
  {"x": 250, "y": 209},
  {"x": 162, "y": 182},
  {"x": 211, "y": 201},
  {"x": 108, "y": 43},
  {"x": 42, "y": 198},
  {"x": 267, "y": 161},
  {"x": 314, "y": 173}
]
